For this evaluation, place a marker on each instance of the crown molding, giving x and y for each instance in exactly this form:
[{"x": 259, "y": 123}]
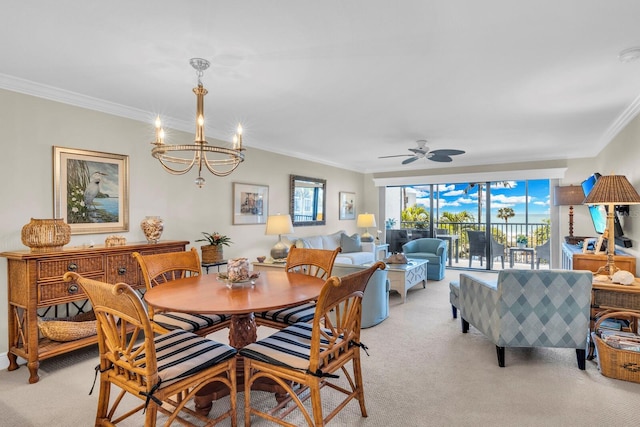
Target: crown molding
[{"x": 621, "y": 122}]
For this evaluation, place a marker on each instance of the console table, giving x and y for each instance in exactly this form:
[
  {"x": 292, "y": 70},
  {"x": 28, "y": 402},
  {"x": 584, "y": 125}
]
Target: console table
[
  {"x": 574, "y": 259},
  {"x": 36, "y": 288}
]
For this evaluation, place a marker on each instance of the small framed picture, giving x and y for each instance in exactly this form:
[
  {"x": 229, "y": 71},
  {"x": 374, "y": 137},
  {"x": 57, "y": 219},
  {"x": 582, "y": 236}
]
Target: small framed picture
[
  {"x": 91, "y": 190},
  {"x": 347, "y": 205},
  {"x": 250, "y": 203}
]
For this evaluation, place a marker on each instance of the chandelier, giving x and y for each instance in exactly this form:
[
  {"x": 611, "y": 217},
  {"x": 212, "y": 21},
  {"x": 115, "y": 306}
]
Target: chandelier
[{"x": 180, "y": 159}]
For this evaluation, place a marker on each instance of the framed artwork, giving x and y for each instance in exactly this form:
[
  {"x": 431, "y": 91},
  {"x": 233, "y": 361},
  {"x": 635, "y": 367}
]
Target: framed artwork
[
  {"x": 250, "y": 203},
  {"x": 347, "y": 205},
  {"x": 91, "y": 190}
]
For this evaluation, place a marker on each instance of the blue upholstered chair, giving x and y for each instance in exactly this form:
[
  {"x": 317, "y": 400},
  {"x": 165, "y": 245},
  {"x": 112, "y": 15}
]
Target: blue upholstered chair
[
  {"x": 529, "y": 308},
  {"x": 375, "y": 301},
  {"x": 434, "y": 250}
]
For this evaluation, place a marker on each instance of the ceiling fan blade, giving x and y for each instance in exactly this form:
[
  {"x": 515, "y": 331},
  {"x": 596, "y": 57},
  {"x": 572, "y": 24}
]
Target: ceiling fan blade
[
  {"x": 441, "y": 158},
  {"x": 397, "y": 155},
  {"x": 446, "y": 152},
  {"x": 406, "y": 162}
]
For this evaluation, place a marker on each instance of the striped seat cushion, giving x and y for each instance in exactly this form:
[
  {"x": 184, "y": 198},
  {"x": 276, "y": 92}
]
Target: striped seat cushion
[
  {"x": 290, "y": 347},
  {"x": 291, "y": 315},
  {"x": 187, "y": 321},
  {"x": 181, "y": 354}
]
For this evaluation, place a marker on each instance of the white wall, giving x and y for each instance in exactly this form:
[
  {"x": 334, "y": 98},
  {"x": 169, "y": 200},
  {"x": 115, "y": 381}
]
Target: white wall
[{"x": 31, "y": 126}]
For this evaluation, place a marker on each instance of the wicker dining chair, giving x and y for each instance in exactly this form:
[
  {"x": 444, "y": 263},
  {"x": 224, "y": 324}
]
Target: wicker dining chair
[
  {"x": 313, "y": 262},
  {"x": 155, "y": 368},
  {"x": 303, "y": 357},
  {"x": 165, "y": 267}
]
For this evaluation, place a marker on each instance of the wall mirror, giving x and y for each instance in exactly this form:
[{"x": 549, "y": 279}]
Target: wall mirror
[{"x": 307, "y": 202}]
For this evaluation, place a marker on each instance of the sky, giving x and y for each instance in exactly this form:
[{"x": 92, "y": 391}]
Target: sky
[{"x": 512, "y": 194}]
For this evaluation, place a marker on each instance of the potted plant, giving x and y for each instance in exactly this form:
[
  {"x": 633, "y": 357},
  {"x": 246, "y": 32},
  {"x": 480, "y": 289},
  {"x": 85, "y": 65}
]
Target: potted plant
[
  {"x": 212, "y": 252},
  {"x": 522, "y": 240}
]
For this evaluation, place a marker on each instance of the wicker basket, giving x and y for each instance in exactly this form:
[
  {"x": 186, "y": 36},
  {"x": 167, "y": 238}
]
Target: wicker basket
[
  {"x": 211, "y": 253},
  {"x": 614, "y": 362},
  {"x": 68, "y": 328},
  {"x": 46, "y": 235}
]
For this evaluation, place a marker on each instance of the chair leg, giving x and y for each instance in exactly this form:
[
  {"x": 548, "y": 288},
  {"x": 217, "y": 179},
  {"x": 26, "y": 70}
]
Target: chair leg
[
  {"x": 465, "y": 325},
  {"x": 582, "y": 357},
  {"x": 454, "y": 311},
  {"x": 500, "y": 352}
]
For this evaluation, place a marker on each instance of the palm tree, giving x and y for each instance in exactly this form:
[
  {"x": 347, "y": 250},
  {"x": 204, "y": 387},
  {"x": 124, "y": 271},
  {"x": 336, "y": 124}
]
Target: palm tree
[{"x": 506, "y": 213}]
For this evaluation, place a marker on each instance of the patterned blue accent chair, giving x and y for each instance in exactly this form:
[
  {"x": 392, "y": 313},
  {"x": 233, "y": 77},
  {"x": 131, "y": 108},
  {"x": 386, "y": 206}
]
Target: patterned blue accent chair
[
  {"x": 529, "y": 308},
  {"x": 434, "y": 250}
]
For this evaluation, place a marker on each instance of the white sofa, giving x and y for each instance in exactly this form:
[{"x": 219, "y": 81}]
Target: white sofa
[{"x": 351, "y": 253}]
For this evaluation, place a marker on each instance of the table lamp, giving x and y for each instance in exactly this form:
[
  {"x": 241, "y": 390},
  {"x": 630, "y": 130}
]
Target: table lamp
[
  {"x": 569, "y": 195},
  {"x": 365, "y": 221},
  {"x": 611, "y": 190},
  {"x": 279, "y": 224}
]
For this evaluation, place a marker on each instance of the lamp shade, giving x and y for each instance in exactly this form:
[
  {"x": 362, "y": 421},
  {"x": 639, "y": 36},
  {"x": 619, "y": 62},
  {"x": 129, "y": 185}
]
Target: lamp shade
[
  {"x": 279, "y": 224},
  {"x": 614, "y": 190},
  {"x": 569, "y": 195},
  {"x": 366, "y": 220}
]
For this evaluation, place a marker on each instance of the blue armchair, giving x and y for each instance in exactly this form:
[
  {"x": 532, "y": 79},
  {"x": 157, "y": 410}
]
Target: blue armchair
[
  {"x": 434, "y": 250},
  {"x": 529, "y": 308},
  {"x": 375, "y": 301}
]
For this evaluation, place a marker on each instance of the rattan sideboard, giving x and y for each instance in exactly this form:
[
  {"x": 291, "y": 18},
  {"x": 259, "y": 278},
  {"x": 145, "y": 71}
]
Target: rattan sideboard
[{"x": 35, "y": 288}]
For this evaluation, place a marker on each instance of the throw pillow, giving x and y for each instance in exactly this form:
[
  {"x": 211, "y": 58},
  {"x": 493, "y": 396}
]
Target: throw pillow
[
  {"x": 350, "y": 244},
  {"x": 301, "y": 243}
]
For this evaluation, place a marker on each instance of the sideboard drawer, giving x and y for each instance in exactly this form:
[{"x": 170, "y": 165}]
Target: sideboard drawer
[
  {"x": 122, "y": 268},
  {"x": 59, "y": 291},
  {"x": 55, "y": 268}
]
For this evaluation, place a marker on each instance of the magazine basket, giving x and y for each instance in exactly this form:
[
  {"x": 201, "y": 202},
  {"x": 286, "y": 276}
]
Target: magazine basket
[
  {"x": 68, "y": 328},
  {"x": 614, "y": 362}
]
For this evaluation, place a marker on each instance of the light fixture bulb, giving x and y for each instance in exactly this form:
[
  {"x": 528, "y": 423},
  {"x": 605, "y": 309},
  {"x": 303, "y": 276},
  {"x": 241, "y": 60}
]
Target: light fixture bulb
[{"x": 200, "y": 182}]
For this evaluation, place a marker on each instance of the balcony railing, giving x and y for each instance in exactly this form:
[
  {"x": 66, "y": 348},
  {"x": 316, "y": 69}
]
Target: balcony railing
[{"x": 505, "y": 233}]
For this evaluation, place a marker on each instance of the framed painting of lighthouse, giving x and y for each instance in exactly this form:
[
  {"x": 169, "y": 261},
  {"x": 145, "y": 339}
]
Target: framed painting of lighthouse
[{"x": 91, "y": 190}]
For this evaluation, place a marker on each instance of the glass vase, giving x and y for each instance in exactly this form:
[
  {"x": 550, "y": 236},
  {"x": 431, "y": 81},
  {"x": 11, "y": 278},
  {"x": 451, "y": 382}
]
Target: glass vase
[{"x": 152, "y": 227}]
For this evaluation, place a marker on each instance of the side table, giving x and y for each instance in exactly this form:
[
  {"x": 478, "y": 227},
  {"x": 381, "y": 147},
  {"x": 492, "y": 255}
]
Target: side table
[
  {"x": 382, "y": 251},
  {"x": 607, "y": 296},
  {"x": 528, "y": 252},
  {"x": 404, "y": 276},
  {"x": 207, "y": 265}
]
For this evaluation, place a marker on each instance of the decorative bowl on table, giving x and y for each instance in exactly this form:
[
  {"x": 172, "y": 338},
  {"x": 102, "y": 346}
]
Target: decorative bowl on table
[{"x": 230, "y": 282}]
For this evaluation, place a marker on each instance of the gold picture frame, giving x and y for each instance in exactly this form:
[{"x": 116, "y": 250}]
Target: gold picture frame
[
  {"x": 91, "y": 190},
  {"x": 250, "y": 203}
]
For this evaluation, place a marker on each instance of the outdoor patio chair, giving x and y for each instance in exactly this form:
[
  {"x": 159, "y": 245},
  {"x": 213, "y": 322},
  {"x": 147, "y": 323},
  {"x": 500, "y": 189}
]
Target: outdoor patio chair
[
  {"x": 477, "y": 247},
  {"x": 543, "y": 252},
  {"x": 164, "y": 371},
  {"x": 158, "y": 269},
  {"x": 314, "y": 262},
  {"x": 303, "y": 358}
]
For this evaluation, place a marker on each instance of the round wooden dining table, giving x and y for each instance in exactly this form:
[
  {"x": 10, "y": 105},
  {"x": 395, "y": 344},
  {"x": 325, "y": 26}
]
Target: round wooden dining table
[{"x": 207, "y": 294}]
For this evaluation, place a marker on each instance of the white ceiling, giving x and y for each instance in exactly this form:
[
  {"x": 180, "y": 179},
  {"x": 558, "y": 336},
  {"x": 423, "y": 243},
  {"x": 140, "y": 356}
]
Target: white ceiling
[{"x": 343, "y": 82}]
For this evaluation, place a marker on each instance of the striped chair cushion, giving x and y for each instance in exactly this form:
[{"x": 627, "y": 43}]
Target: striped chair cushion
[
  {"x": 291, "y": 315},
  {"x": 290, "y": 347},
  {"x": 187, "y": 321},
  {"x": 181, "y": 354}
]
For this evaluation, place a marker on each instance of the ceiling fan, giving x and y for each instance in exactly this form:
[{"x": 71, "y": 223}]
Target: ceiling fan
[{"x": 423, "y": 152}]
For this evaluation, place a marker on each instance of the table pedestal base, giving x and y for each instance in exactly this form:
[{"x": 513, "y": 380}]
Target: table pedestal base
[{"x": 242, "y": 332}]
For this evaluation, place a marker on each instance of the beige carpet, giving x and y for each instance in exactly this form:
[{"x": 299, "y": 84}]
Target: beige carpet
[{"x": 422, "y": 371}]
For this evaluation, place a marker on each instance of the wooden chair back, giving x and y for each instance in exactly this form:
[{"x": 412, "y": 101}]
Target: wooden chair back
[
  {"x": 337, "y": 322},
  {"x": 313, "y": 262},
  {"x": 122, "y": 322},
  {"x": 164, "y": 267}
]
